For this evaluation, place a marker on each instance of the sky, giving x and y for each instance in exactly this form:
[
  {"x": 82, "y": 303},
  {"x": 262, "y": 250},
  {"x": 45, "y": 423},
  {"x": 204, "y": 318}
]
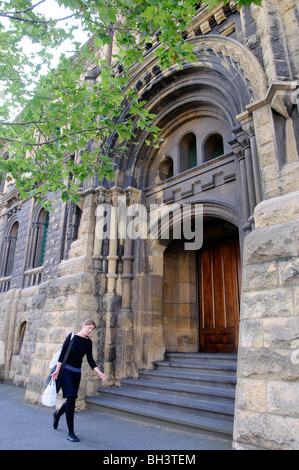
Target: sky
[{"x": 50, "y": 9}]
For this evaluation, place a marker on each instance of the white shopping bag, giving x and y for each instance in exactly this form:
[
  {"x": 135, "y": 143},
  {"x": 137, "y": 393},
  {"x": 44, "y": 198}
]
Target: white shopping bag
[{"x": 49, "y": 396}]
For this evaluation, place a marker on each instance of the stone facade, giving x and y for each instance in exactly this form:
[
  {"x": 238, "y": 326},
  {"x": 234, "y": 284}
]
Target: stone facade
[
  {"x": 229, "y": 124},
  {"x": 267, "y": 392}
]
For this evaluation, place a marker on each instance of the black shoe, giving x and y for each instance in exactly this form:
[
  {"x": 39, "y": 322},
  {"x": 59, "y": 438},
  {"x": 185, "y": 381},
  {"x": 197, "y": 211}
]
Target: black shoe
[
  {"x": 73, "y": 438},
  {"x": 56, "y": 419}
]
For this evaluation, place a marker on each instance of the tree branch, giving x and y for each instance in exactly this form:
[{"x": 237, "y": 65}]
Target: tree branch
[
  {"x": 23, "y": 123},
  {"x": 27, "y": 9},
  {"x": 11, "y": 17},
  {"x": 48, "y": 142}
]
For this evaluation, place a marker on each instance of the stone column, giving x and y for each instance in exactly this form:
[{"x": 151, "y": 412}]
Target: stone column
[
  {"x": 238, "y": 151},
  {"x": 113, "y": 241},
  {"x": 250, "y": 180},
  {"x": 111, "y": 299},
  {"x": 98, "y": 237},
  {"x": 125, "y": 321},
  {"x": 244, "y": 154},
  {"x": 246, "y": 120}
]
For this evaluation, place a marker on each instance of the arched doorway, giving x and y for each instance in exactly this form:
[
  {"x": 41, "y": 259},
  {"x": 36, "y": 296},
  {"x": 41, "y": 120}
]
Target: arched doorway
[
  {"x": 219, "y": 282},
  {"x": 202, "y": 100},
  {"x": 201, "y": 292}
]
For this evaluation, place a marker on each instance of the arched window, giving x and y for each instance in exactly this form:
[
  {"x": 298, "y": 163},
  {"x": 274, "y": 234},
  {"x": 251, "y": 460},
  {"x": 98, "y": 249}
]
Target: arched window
[
  {"x": 21, "y": 336},
  {"x": 71, "y": 227},
  {"x": 213, "y": 147},
  {"x": 165, "y": 168},
  {"x": 39, "y": 237},
  {"x": 188, "y": 154},
  {"x": 9, "y": 248}
]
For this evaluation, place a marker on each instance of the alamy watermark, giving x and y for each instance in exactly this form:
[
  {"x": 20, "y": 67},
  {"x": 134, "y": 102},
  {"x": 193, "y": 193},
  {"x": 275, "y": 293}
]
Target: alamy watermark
[
  {"x": 295, "y": 353},
  {"x": 156, "y": 222}
]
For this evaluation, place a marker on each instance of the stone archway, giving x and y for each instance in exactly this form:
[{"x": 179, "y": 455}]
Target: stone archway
[
  {"x": 224, "y": 78},
  {"x": 225, "y": 74},
  {"x": 201, "y": 292},
  {"x": 171, "y": 316}
]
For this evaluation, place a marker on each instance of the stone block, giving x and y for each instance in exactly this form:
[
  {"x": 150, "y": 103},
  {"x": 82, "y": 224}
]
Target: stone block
[
  {"x": 268, "y": 303},
  {"x": 71, "y": 284},
  {"x": 266, "y": 431},
  {"x": 271, "y": 243},
  {"x": 251, "y": 395},
  {"x": 38, "y": 301},
  {"x": 64, "y": 286},
  {"x": 260, "y": 276},
  {"x": 277, "y": 210},
  {"x": 251, "y": 333},
  {"x": 283, "y": 398},
  {"x": 280, "y": 332},
  {"x": 288, "y": 272},
  {"x": 79, "y": 264},
  {"x": 266, "y": 363}
]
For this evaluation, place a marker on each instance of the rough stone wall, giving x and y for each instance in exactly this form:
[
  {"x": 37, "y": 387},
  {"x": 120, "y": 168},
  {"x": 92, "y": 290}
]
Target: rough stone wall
[
  {"x": 65, "y": 302},
  {"x": 69, "y": 299},
  {"x": 52, "y": 309},
  {"x": 267, "y": 399}
]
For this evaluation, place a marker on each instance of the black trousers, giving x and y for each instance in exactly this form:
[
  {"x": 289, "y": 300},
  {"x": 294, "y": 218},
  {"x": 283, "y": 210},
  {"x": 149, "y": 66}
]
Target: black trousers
[{"x": 68, "y": 408}]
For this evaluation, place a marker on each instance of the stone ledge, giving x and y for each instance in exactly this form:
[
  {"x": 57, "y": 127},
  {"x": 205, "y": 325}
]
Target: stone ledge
[
  {"x": 79, "y": 264},
  {"x": 272, "y": 242},
  {"x": 277, "y": 210}
]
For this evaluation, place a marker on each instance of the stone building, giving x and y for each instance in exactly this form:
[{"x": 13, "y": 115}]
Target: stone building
[{"x": 229, "y": 124}]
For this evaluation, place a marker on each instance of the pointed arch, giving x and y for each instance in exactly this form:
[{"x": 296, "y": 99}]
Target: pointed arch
[
  {"x": 9, "y": 248},
  {"x": 38, "y": 238}
]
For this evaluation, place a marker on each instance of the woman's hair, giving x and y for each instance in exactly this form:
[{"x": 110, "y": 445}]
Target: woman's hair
[{"x": 89, "y": 322}]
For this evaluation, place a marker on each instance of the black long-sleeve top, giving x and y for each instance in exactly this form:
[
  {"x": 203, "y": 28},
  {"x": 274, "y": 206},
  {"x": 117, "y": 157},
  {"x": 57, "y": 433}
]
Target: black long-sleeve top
[{"x": 80, "y": 347}]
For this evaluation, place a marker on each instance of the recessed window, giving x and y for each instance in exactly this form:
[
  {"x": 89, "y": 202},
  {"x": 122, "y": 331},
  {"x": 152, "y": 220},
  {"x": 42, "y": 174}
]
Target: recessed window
[
  {"x": 9, "y": 248},
  {"x": 165, "y": 168},
  {"x": 188, "y": 154},
  {"x": 213, "y": 147},
  {"x": 39, "y": 237},
  {"x": 21, "y": 336}
]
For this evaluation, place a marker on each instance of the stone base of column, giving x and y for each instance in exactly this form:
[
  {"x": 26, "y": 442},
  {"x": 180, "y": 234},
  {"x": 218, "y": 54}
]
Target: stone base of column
[{"x": 267, "y": 396}]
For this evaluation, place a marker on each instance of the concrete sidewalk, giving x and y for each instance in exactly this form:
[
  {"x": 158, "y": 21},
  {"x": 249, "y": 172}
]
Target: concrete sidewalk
[{"x": 24, "y": 426}]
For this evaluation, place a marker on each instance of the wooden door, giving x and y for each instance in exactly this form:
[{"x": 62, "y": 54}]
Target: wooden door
[{"x": 219, "y": 296}]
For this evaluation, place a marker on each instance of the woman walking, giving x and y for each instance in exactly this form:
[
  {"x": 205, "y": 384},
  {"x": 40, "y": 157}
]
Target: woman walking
[{"x": 71, "y": 375}]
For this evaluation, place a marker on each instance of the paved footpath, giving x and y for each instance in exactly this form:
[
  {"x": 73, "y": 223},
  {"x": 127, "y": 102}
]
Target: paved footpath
[{"x": 24, "y": 426}]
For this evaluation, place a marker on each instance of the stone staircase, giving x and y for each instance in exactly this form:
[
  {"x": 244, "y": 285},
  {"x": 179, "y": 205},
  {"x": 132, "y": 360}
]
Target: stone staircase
[{"x": 193, "y": 391}]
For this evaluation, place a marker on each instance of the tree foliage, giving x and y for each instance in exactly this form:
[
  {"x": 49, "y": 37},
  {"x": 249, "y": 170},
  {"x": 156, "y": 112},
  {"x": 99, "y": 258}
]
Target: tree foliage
[{"x": 53, "y": 122}]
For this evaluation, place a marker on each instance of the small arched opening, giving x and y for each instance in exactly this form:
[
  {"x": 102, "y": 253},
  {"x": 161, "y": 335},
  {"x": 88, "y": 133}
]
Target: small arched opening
[
  {"x": 213, "y": 147},
  {"x": 188, "y": 154}
]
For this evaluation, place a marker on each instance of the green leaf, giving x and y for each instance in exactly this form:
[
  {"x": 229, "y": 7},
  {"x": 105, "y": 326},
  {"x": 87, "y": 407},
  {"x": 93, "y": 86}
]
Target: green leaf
[
  {"x": 64, "y": 111},
  {"x": 149, "y": 12}
]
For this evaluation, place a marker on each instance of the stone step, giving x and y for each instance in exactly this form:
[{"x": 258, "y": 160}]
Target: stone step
[
  {"x": 225, "y": 395},
  {"x": 191, "y": 391},
  {"x": 185, "y": 405},
  {"x": 188, "y": 422},
  {"x": 211, "y": 368},
  {"x": 205, "y": 379},
  {"x": 196, "y": 358}
]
